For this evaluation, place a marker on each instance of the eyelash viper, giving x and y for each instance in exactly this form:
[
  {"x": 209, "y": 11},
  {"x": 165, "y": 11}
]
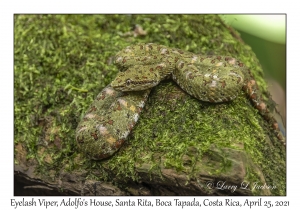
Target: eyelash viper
[{"x": 114, "y": 113}]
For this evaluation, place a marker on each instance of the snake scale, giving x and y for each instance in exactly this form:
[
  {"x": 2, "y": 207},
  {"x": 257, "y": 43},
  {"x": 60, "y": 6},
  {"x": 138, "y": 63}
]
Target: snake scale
[{"x": 116, "y": 109}]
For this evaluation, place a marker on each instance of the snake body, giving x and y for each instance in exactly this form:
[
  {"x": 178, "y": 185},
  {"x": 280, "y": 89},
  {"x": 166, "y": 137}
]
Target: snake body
[{"x": 113, "y": 114}]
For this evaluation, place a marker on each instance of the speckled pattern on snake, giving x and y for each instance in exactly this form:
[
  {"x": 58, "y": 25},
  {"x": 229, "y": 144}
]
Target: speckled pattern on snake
[{"x": 115, "y": 111}]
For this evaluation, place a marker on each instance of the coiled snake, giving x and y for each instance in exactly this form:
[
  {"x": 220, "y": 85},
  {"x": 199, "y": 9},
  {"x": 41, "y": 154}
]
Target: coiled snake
[{"x": 114, "y": 113}]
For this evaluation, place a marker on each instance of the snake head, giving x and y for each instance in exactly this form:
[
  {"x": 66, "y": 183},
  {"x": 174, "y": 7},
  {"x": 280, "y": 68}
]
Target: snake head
[{"x": 133, "y": 81}]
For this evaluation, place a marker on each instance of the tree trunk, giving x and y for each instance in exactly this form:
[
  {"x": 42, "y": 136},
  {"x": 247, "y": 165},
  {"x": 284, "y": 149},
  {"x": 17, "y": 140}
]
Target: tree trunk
[{"x": 180, "y": 145}]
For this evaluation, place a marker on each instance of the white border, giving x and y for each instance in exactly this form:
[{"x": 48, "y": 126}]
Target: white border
[{"x": 8, "y": 8}]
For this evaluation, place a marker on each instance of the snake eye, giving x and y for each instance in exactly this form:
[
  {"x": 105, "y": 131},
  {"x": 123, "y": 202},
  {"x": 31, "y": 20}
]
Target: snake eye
[{"x": 128, "y": 82}]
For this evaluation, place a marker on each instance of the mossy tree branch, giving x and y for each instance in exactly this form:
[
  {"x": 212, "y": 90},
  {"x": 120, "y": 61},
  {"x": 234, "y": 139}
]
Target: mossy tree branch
[{"x": 179, "y": 143}]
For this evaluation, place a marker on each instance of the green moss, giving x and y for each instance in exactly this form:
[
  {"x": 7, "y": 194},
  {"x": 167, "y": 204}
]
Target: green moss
[{"x": 63, "y": 61}]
